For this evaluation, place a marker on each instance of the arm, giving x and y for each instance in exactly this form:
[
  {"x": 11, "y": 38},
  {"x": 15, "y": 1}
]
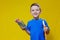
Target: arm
[
  {"x": 27, "y": 32},
  {"x": 46, "y": 28},
  {"x": 22, "y": 26}
]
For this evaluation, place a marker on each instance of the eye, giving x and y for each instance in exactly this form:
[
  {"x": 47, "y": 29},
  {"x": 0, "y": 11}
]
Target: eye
[
  {"x": 37, "y": 10},
  {"x": 32, "y": 10}
]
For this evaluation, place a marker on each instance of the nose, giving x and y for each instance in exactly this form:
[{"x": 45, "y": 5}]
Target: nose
[{"x": 35, "y": 11}]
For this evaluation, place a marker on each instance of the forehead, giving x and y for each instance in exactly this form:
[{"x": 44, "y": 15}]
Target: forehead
[{"x": 35, "y": 7}]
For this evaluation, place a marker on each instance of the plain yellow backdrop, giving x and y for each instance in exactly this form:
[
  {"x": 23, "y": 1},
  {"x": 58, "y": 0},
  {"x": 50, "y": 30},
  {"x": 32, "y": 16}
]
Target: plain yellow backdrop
[{"x": 10, "y": 10}]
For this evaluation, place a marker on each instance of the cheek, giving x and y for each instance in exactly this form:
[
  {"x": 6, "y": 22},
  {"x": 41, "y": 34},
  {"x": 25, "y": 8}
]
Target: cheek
[
  {"x": 32, "y": 12},
  {"x": 38, "y": 12}
]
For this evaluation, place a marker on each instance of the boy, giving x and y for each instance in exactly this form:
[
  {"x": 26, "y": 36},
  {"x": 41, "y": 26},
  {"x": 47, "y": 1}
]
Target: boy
[{"x": 37, "y": 27}]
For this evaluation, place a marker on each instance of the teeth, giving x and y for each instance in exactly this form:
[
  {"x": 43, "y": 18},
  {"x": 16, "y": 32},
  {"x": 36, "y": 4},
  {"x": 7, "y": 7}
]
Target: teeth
[{"x": 35, "y": 14}]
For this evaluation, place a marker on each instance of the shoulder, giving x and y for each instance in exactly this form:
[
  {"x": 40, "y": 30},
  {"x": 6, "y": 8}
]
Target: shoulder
[
  {"x": 42, "y": 19},
  {"x": 30, "y": 21}
]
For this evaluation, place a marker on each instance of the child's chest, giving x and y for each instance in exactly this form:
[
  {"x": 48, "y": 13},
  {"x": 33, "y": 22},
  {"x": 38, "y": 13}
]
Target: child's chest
[{"x": 36, "y": 25}]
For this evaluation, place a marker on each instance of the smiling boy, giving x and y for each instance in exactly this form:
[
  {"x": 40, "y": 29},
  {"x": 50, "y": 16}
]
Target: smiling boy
[{"x": 37, "y": 27}]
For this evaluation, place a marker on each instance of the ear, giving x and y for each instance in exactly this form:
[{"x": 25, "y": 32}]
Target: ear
[{"x": 40, "y": 10}]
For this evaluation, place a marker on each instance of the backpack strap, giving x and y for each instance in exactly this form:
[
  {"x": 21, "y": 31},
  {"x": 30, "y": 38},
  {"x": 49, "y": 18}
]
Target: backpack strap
[{"x": 43, "y": 22}]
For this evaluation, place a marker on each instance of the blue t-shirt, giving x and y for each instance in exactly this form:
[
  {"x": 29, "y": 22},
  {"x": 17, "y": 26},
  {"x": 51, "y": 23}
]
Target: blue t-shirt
[{"x": 35, "y": 26}]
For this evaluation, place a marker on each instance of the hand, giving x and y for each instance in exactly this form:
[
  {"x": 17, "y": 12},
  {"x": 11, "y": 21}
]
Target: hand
[
  {"x": 46, "y": 30},
  {"x": 17, "y": 20},
  {"x": 20, "y": 23}
]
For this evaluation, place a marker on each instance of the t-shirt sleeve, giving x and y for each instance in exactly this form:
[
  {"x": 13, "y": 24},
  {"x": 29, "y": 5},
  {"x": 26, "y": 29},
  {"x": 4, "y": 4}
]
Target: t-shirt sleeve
[
  {"x": 46, "y": 24},
  {"x": 28, "y": 26}
]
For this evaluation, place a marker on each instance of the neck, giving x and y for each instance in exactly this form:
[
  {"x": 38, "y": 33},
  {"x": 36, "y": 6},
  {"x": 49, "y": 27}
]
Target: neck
[{"x": 36, "y": 17}]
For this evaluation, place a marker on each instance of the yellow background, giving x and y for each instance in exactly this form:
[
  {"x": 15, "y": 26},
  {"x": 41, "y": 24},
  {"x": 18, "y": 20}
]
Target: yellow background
[{"x": 10, "y": 10}]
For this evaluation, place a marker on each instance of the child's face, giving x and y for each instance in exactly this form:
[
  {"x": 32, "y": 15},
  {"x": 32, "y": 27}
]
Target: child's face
[{"x": 35, "y": 11}]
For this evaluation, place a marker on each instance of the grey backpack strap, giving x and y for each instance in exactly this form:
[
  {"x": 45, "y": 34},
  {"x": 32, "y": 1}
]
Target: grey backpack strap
[{"x": 43, "y": 22}]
